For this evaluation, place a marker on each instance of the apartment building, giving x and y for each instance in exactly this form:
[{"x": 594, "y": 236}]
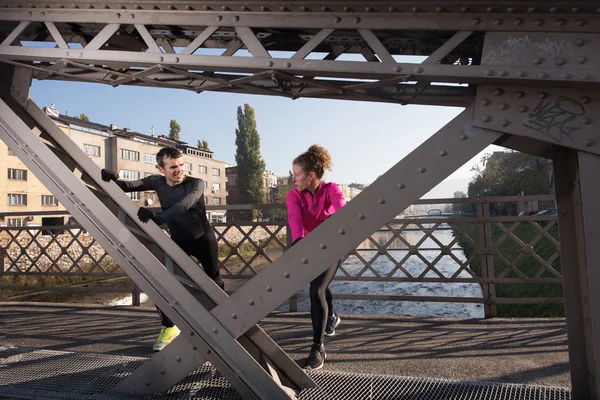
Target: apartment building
[
  {"x": 233, "y": 196},
  {"x": 131, "y": 154}
]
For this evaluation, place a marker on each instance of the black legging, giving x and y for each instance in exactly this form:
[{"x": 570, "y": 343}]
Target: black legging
[
  {"x": 321, "y": 302},
  {"x": 206, "y": 250}
]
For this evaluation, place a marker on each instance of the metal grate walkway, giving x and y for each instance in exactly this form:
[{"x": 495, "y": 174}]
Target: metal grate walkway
[{"x": 47, "y": 374}]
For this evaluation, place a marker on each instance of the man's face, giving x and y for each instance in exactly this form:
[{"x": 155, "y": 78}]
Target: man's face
[{"x": 173, "y": 170}]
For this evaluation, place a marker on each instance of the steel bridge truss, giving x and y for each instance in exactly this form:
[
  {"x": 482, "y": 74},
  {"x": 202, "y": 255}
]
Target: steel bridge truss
[{"x": 526, "y": 72}]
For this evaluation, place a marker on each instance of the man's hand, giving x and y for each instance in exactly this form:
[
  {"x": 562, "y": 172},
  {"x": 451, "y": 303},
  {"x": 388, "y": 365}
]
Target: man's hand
[
  {"x": 108, "y": 175},
  {"x": 145, "y": 215}
]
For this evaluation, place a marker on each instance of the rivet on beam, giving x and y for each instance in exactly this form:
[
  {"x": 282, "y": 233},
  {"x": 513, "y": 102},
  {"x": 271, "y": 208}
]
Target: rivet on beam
[
  {"x": 561, "y": 22},
  {"x": 342, "y": 232},
  {"x": 532, "y": 9},
  {"x": 503, "y": 106},
  {"x": 510, "y": 10},
  {"x": 560, "y": 61},
  {"x": 579, "y": 42},
  {"x": 380, "y": 201},
  {"x": 476, "y": 21},
  {"x": 585, "y": 77},
  {"x": 392, "y": 9},
  {"x": 487, "y": 118},
  {"x": 588, "y": 143},
  {"x": 215, "y": 330},
  {"x": 490, "y": 9},
  {"x": 587, "y": 121},
  {"x": 542, "y": 95},
  {"x": 286, "y": 274},
  {"x": 287, "y": 64},
  {"x": 498, "y": 22},
  {"x": 581, "y": 60},
  {"x": 580, "y": 22},
  {"x": 304, "y": 8},
  {"x": 219, "y": 18},
  {"x": 357, "y": 20},
  {"x": 415, "y": 9},
  {"x": 206, "y": 8},
  {"x": 422, "y": 170},
  {"x": 418, "y": 70},
  {"x": 397, "y": 69},
  {"x": 269, "y": 289},
  {"x": 523, "y": 109},
  {"x": 360, "y": 216},
  {"x": 251, "y": 302},
  {"x": 542, "y": 75},
  {"x": 498, "y": 92},
  {"x": 575, "y": 9},
  {"x": 488, "y": 72},
  {"x": 585, "y": 100},
  {"x": 553, "y": 9},
  {"x": 464, "y": 9},
  {"x": 566, "y": 76},
  {"x": 504, "y": 122},
  {"x": 234, "y": 316},
  {"x": 236, "y": 18},
  {"x": 401, "y": 186},
  {"x": 464, "y": 136},
  {"x": 439, "y": 9},
  {"x": 518, "y": 22},
  {"x": 521, "y": 74},
  {"x": 264, "y": 8},
  {"x": 337, "y": 20},
  {"x": 485, "y": 103},
  {"x": 443, "y": 153},
  {"x": 538, "y": 22},
  {"x": 244, "y": 8},
  {"x": 503, "y": 73},
  {"x": 368, "y": 9}
]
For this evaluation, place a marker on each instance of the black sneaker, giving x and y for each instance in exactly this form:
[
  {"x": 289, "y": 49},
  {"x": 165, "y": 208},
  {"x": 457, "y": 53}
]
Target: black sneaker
[
  {"x": 317, "y": 357},
  {"x": 332, "y": 323}
]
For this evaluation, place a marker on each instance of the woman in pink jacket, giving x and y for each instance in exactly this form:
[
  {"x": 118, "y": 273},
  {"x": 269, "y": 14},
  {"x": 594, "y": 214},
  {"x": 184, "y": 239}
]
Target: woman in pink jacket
[{"x": 310, "y": 203}]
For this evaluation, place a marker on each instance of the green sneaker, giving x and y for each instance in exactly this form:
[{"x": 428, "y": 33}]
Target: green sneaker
[{"x": 165, "y": 337}]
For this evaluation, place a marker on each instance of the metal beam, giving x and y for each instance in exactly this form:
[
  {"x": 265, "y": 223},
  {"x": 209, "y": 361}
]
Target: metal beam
[{"x": 457, "y": 21}]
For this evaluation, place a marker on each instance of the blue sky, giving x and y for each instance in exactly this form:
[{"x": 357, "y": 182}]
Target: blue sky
[{"x": 364, "y": 139}]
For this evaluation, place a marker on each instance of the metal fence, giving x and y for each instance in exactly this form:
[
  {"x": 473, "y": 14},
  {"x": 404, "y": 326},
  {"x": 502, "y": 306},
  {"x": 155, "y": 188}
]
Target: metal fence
[{"x": 482, "y": 242}]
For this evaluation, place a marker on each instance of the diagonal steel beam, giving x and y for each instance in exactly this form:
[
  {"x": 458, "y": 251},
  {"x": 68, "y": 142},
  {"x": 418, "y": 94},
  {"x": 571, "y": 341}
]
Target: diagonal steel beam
[
  {"x": 415, "y": 175},
  {"x": 15, "y": 34},
  {"x": 252, "y": 43},
  {"x": 60, "y": 41},
  {"x": 103, "y": 36},
  {"x": 148, "y": 39},
  {"x": 254, "y": 338},
  {"x": 200, "y": 39},
  {"x": 377, "y": 46},
  {"x": 312, "y": 44},
  {"x": 447, "y": 47}
]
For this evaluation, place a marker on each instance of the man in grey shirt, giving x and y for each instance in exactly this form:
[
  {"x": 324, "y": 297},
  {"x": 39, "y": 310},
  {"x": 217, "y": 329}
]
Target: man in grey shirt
[{"x": 184, "y": 211}]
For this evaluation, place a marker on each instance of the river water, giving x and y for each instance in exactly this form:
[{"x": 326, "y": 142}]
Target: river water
[{"x": 398, "y": 249}]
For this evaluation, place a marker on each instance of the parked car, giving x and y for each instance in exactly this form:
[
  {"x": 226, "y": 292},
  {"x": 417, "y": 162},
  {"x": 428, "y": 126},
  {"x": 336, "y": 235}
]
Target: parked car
[
  {"x": 527, "y": 213},
  {"x": 550, "y": 211}
]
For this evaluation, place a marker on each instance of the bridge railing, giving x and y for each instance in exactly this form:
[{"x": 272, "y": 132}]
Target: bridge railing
[{"x": 476, "y": 251}]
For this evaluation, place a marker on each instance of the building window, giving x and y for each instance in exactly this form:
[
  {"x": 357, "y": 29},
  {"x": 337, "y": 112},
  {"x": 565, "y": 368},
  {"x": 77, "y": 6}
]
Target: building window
[
  {"x": 17, "y": 199},
  {"x": 205, "y": 185},
  {"x": 49, "y": 200},
  {"x": 216, "y": 172},
  {"x": 216, "y": 187},
  {"x": 17, "y": 174},
  {"x": 16, "y": 222},
  {"x": 202, "y": 169},
  {"x": 91, "y": 150},
  {"x": 131, "y": 175},
  {"x": 205, "y": 200},
  {"x": 217, "y": 201},
  {"x": 150, "y": 158},
  {"x": 187, "y": 167},
  {"x": 129, "y": 155},
  {"x": 135, "y": 196}
]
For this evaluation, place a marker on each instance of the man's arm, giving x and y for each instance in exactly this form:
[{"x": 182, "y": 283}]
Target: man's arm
[
  {"x": 127, "y": 186},
  {"x": 194, "y": 190}
]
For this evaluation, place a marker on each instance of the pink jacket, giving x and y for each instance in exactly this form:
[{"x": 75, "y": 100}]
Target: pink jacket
[{"x": 306, "y": 211}]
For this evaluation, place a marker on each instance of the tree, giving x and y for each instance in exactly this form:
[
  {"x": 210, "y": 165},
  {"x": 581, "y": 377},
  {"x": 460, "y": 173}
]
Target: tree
[
  {"x": 510, "y": 174},
  {"x": 462, "y": 208},
  {"x": 203, "y": 145},
  {"x": 249, "y": 162},
  {"x": 84, "y": 117},
  {"x": 290, "y": 180},
  {"x": 174, "y": 130}
]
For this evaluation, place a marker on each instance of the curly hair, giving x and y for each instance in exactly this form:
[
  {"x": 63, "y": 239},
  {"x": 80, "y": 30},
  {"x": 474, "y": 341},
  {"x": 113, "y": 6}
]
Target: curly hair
[{"x": 316, "y": 159}]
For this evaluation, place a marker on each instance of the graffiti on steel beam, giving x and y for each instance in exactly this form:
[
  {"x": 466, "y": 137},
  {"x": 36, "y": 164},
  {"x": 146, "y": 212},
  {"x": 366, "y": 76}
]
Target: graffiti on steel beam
[
  {"x": 556, "y": 119},
  {"x": 515, "y": 50}
]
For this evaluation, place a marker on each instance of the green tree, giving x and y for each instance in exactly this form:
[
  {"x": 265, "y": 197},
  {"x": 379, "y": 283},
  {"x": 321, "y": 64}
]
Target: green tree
[
  {"x": 84, "y": 117},
  {"x": 203, "y": 145},
  {"x": 510, "y": 173},
  {"x": 174, "y": 130},
  {"x": 290, "y": 181},
  {"x": 249, "y": 162}
]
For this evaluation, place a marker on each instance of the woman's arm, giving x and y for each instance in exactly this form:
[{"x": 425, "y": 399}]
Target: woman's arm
[{"x": 294, "y": 211}]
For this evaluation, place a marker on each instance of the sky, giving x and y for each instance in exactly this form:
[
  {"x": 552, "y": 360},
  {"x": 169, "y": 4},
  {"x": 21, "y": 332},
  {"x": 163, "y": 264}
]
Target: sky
[{"x": 365, "y": 139}]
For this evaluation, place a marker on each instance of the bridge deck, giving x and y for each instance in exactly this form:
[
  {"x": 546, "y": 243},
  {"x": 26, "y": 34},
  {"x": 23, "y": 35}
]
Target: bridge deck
[{"x": 523, "y": 351}]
